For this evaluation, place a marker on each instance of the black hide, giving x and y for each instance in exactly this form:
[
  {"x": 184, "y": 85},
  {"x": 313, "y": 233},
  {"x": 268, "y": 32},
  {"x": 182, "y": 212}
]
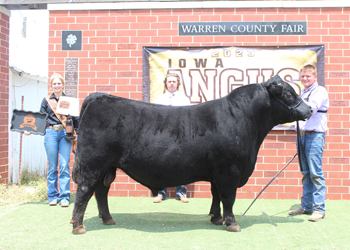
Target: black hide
[{"x": 162, "y": 146}]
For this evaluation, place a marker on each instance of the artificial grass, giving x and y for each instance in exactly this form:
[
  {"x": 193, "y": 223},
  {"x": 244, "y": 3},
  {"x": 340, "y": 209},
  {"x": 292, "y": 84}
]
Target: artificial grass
[{"x": 142, "y": 224}]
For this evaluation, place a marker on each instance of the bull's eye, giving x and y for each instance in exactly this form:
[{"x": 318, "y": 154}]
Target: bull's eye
[{"x": 289, "y": 96}]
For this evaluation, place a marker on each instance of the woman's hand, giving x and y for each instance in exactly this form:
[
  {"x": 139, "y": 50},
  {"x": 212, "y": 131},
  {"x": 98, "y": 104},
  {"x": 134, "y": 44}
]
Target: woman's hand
[{"x": 26, "y": 133}]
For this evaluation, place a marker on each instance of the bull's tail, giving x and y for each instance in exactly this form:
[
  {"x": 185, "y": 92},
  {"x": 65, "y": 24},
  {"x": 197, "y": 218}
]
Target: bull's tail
[
  {"x": 89, "y": 100},
  {"x": 76, "y": 170}
]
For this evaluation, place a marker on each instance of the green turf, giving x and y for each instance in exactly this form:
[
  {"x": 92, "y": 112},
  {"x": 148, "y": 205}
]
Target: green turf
[{"x": 141, "y": 224}]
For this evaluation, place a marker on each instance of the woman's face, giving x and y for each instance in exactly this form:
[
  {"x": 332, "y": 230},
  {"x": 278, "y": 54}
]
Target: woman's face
[{"x": 57, "y": 85}]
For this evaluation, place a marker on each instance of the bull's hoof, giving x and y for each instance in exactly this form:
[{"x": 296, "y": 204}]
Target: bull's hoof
[
  {"x": 109, "y": 222},
  {"x": 234, "y": 228},
  {"x": 217, "y": 221},
  {"x": 79, "y": 230}
]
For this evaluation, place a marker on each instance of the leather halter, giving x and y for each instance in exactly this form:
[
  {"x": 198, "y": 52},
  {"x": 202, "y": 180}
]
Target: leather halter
[{"x": 291, "y": 109}]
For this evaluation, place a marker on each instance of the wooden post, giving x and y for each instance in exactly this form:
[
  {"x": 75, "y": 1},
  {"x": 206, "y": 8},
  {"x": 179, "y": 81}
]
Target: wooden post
[{"x": 20, "y": 154}]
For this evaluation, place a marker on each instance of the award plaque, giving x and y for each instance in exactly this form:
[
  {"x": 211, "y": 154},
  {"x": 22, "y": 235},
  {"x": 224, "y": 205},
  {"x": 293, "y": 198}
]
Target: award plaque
[{"x": 33, "y": 122}]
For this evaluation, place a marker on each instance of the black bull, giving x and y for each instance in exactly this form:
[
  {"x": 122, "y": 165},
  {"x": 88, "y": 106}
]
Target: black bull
[{"x": 161, "y": 146}]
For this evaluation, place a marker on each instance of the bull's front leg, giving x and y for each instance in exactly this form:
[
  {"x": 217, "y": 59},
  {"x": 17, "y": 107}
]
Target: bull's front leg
[
  {"x": 101, "y": 194},
  {"x": 83, "y": 195},
  {"x": 215, "y": 210},
  {"x": 229, "y": 218},
  {"x": 228, "y": 195}
]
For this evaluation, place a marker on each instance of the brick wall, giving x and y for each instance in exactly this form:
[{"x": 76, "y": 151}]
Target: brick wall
[
  {"x": 118, "y": 35},
  {"x": 4, "y": 93}
]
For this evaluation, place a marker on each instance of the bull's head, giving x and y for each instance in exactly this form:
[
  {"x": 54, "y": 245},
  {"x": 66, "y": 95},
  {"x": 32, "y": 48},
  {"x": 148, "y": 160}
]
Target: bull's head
[{"x": 286, "y": 95}]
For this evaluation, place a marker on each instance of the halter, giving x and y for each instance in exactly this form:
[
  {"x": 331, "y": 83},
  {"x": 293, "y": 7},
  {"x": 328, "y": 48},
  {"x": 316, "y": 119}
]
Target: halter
[{"x": 291, "y": 109}]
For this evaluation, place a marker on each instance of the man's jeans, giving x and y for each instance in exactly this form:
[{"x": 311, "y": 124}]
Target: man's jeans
[
  {"x": 55, "y": 143},
  {"x": 314, "y": 188},
  {"x": 180, "y": 191}
]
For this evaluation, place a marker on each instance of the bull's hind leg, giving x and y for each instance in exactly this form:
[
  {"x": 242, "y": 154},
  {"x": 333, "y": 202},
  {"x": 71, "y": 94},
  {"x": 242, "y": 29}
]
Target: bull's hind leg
[
  {"x": 101, "y": 194},
  {"x": 82, "y": 197},
  {"x": 215, "y": 210}
]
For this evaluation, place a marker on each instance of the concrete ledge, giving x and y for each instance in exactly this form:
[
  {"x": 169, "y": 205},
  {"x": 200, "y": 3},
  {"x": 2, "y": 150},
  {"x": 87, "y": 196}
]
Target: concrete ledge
[
  {"x": 5, "y": 11},
  {"x": 198, "y": 5}
]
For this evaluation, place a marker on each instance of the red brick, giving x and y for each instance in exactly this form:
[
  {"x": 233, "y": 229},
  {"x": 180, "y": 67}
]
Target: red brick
[
  {"x": 99, "y": 26},
  {"x": 160, "y": 39},
  {"x": 310, "y": 39},
  {"x": 338, "y": 190},
  {"x": 90, "y": 88},
  {"x": 126, "y": 19},
  {"x": 99, "y": 39},
  {"x": 119, "y": 46},
  {"x": 188, "y": 18},
  {"x": 108, "y": 74},
  {"x": 103, "y": 67},
  {"x": 253, "y": 18},
  {"x": 123, "y": 60},
  {"x": 266, "y": 39},
  {"x": 147, "y": 33},
  {"x": 293, "y": 196},
  {"x": 86, "y": 19},
  {"x": 99, "y": 81},
  {"x": 343, "y": 175}
]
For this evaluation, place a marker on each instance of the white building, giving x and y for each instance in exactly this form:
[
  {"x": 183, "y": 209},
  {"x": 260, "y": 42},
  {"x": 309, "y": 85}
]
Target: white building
[{"x": 29, "y": 34}]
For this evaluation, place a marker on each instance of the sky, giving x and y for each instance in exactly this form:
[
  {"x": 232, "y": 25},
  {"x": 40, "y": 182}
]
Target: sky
[{"x": 30, "y": 53}]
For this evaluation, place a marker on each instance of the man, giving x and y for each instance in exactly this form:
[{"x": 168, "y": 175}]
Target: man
[
  {"x": 312, "y": 140},
  {"x": 172, "y": 97}
]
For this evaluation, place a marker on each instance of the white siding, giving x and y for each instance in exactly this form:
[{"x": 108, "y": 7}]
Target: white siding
[{"x": 34, "y": 159}]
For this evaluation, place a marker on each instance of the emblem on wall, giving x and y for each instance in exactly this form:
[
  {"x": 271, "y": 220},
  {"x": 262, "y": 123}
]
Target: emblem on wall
[{"x": 71, "y": 39}]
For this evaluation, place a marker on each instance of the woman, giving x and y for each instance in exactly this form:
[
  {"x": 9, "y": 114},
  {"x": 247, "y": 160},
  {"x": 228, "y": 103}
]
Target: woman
[{"x": 57, "y": 147}]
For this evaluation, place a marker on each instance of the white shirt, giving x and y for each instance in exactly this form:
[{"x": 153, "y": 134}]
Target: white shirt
[
  {"x": 173, "y": 99},
  {"x": 318, "y": 100}
]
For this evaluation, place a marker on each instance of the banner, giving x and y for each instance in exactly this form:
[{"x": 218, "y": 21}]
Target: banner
[{"x": 209, "y": 73}]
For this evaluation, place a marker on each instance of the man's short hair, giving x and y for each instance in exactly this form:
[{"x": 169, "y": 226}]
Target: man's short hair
[
  {"x": 309, "y": 67},
  {"x": 172, "y": 75}
]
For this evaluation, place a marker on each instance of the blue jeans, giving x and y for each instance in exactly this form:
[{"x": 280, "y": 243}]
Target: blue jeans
[
  {"x": 180, "y": 191},
  {"x": 56, "y": 144},
  {"x": 314, "y": 188}
]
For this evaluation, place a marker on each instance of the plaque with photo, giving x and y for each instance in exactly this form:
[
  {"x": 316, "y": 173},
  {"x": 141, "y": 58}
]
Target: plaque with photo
[
  {"x": 68, "y": 106},
  {"x": 33, "y": 122}
]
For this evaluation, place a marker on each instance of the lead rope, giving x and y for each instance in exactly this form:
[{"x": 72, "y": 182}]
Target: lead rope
[{"x": 299, "y": 148}]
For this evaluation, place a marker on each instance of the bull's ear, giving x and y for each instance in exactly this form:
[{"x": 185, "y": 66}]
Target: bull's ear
[
  {"x": 266, "y": 84},
  {"x": 274, "y": 81},
  {"x": 269, "y": 82}
]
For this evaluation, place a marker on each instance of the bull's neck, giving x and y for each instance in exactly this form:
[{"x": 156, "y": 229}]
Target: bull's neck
[{"x": 258, "y": 108}]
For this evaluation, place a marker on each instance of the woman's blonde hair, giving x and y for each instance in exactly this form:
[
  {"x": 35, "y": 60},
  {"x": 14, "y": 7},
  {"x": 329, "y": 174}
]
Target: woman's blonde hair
[{"x": 56, "y": 76}]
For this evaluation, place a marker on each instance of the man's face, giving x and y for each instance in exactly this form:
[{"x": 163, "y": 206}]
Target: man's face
[
  {"x": 307, "y": 79},
  {"x": 171, "y": 84}
]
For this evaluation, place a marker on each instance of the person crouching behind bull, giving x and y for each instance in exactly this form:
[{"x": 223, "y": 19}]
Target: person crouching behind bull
[
  {"x": 172, "y": 97},
  {"x": 56, "y": 146}
]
